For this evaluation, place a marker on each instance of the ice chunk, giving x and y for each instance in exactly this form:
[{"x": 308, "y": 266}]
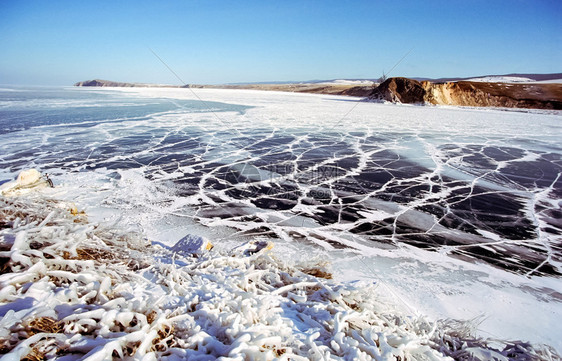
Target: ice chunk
[
  {"x": 253, "y": 247},
  {"x": 192, "y": 245}
]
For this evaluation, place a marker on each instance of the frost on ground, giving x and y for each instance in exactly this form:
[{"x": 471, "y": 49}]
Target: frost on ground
[{"x": 70, "y": 289}]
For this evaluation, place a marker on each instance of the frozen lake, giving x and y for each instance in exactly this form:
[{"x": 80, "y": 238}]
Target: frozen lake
[{"x": 456, "y": 211}]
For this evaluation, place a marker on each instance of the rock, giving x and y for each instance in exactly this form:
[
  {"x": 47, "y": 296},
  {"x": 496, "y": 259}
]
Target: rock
[{"x": 400, "y": 90}]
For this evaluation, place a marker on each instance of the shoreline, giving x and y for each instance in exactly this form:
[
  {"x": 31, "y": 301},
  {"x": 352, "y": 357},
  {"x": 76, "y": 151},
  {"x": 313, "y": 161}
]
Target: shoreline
[{"x": 475, "y": 93}]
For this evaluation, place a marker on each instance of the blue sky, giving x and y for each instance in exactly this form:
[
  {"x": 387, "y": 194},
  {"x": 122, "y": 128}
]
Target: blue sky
[{"x": 209, "y": 42}]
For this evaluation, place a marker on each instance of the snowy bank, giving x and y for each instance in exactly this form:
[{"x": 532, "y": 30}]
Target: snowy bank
[{"x": 71, "y": 289}]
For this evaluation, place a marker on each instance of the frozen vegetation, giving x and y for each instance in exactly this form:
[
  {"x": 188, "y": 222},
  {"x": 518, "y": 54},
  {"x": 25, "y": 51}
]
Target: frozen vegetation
[{"x": 71, "y": 289}]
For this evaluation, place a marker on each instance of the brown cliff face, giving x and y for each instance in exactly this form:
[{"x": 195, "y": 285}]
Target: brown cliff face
[
  {"x": 400, "y": 90},
  {"x": 476, "y": 94},
  {"x": 464, "y": 93}
]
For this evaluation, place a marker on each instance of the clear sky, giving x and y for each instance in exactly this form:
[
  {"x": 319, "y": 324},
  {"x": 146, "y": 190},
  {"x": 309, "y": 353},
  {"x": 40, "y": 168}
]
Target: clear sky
[{"x": 208, "y": 42}]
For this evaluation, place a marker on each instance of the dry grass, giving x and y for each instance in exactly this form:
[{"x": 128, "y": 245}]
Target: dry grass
[
  {"x": 42, "y": 325},
  {"x": 5, "y": 346},
  {"x": 318, "y": 272},
  {"x": 5, "y": 265},
  {"x": 86, "y": 254},
  {"x": 33, "y": 327},
  {"x": 34, "y": 355},
  {"x": 277, "y": 352},
  {"x": 151, "y": 317},
  {"x": 165, "y": 339},
  {"x": 94, "y": 254}
]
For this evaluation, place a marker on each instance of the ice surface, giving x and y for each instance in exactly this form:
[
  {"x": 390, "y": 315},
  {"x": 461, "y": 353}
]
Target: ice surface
[{"x": 455, "y": 211}]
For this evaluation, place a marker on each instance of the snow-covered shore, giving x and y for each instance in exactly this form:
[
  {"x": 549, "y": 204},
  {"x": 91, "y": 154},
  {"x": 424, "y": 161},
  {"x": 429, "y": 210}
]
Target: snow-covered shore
[{"x": 71, "y": 289}]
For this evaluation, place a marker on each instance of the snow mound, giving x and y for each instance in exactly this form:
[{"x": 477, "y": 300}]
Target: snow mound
[
  {"x": 26, "y": 181},
  {"x": 70, "y": 289}
]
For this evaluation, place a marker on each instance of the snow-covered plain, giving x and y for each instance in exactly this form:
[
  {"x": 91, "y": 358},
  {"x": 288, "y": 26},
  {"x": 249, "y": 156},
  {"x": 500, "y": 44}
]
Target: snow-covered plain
[
  {"x": 300, "y": 170},
  {"x": 512, "y": 79},
  {"x": 350, "y": 82}
]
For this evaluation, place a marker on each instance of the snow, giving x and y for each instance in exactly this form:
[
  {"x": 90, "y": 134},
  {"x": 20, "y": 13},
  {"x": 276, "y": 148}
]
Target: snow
[
  {"x": 350, "y": 82},
  {"x": 502, "y": 79},
  {"x": 513, "y": 79},
  {"x": 551, "y": 81}
]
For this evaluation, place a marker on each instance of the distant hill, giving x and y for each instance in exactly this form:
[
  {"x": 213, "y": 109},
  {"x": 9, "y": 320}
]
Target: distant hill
[
  {"x": 509, "y": 90},
  {"x": 109, "y": 83}
]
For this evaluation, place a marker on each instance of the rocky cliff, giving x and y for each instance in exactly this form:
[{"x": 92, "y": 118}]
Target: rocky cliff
[
  {"x": 400, "y": 90},
  {"x": 466, "y": 93}
]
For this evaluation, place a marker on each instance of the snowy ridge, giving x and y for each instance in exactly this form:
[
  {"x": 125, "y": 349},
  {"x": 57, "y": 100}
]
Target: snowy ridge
[
  {"x": 71, "y": 289},
  {"x": 502, "y": 79},
  {"x": 349, "y": 82}
]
